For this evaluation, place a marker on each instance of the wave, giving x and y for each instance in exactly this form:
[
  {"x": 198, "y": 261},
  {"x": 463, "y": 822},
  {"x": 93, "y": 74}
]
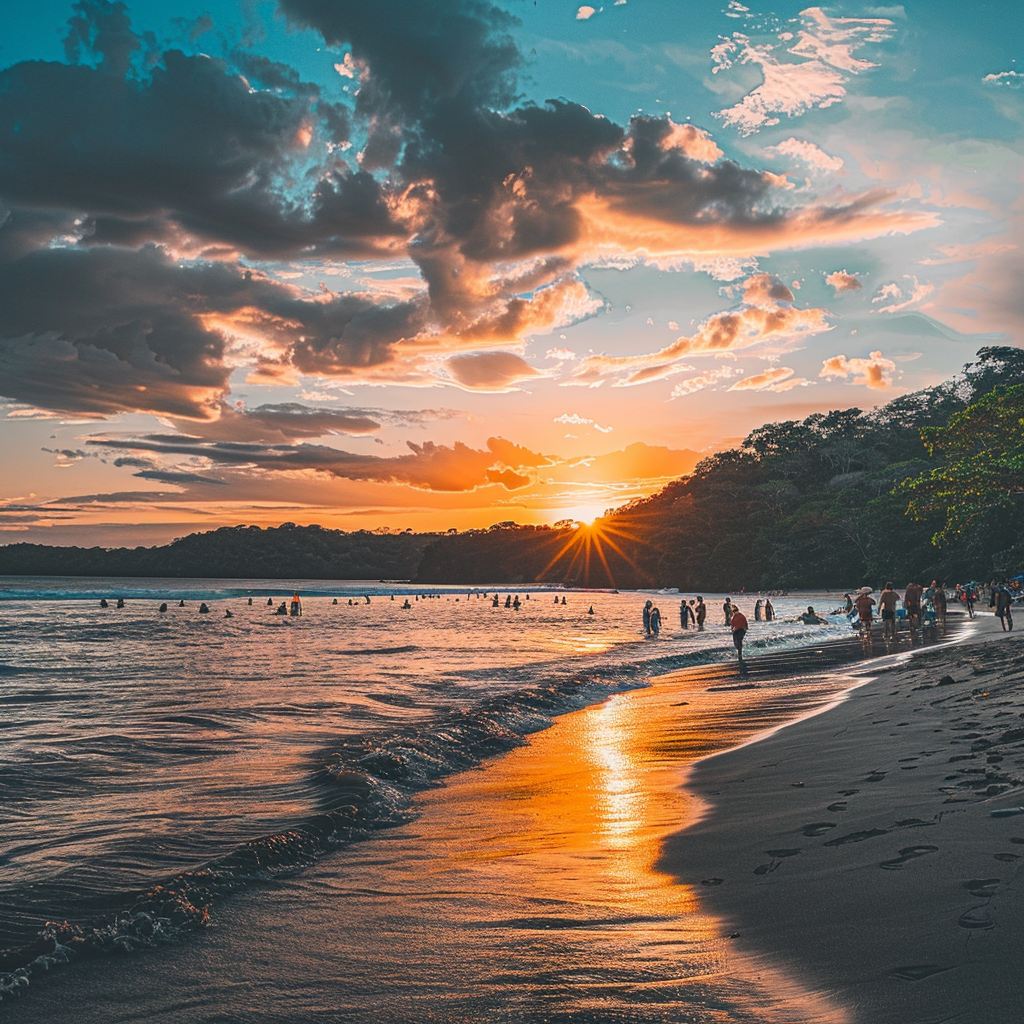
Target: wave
[{"x": 363, "y": 785}]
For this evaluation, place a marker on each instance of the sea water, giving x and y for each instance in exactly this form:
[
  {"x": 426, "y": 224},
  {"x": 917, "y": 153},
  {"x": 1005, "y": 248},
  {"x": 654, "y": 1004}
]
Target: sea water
[{"x": 205, "y": 753}]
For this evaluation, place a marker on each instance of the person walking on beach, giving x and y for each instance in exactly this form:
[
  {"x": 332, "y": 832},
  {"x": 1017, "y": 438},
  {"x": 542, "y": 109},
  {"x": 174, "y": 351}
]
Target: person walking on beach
[
  {"x": 738, "y": 622},
  {"x": 969, "y": 596},
  {"x": 727, "y": 609},
  {"x": 647, "y": 617},
  {"x": 912, "y": 606},
  {"x": 701, "y": 614},
  {"x": 864, "y": 603},
  {"x": 939, "y": 600},
  {"x": 769, "y": 610},
  {"x": 1002, "y": 602},
  {"x": 887, "y": 605}
]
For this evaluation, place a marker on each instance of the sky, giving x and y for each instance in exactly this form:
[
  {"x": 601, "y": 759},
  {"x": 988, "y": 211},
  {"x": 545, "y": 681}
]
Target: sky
[{"x": 437, "y": 264}]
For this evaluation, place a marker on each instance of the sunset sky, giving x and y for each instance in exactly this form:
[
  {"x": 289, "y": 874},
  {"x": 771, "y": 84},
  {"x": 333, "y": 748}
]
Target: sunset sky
[{"x": 443, "y": 263}]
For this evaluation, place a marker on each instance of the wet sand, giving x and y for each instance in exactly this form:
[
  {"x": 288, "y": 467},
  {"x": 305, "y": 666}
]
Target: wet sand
[{"x": 857, "y": 849}]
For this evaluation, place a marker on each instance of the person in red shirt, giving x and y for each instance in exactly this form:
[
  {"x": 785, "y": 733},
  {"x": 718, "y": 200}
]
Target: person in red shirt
[{"x": 738, "y": 622}]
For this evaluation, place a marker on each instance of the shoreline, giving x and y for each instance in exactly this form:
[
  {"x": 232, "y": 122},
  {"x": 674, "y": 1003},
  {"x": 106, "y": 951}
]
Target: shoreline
[{"x": 855, "y": 847}]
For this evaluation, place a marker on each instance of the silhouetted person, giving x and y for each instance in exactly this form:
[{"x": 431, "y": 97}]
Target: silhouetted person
[
  {"x": 769, "y": 610},
  {"x": 120, "y": 602},
  {"x": 270, "y": 602},
  {"x": 700, "y": 614},
  {"x": 757, "y": 609},
  {"x": 228, "y": 613},
  {"x": 591, "y": 612},
  {"x": 181, "y": 603},
  {"x": 727, "y": 610},
  {"x": 335, "y": 601},
  {"x": 738, "y": 623},
  {"x": 163, "y": 607},
  {"x": 655, "y": 620},
  {"x": 1002, "y": 601},
  {"x": 508, "y": 601},
  {"x": 250, "y": 601},
  {"x": 204, "y": 609},
  {"x": 647, "y": 617},
  {"x": 103, "y": 603},
  {"x": 887, "y": 608},
  {"x": 516, "y": 603}
]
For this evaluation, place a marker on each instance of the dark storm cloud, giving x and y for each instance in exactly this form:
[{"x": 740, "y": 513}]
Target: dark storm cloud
[
  {"x": 191, "y": 150},
  {"x": 175, "y": 477},
  {"x": 432, "y": 466}
]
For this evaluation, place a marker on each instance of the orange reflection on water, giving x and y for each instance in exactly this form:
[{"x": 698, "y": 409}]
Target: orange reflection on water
[{"x": 564, "y": 838}]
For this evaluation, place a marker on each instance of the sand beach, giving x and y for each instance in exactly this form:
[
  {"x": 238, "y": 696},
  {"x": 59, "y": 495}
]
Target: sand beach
[{"x": 863, "y": 849}]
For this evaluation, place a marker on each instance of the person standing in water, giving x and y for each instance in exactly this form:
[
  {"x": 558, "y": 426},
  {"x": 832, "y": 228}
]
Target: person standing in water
[
  {"x": 655, "y": 621},
  {"x": 684, "y": 614},
  {"x": 769, "y": 610},
  {"x": 701, "y": 614},
  {"x": 939, "y": 600},
  {"x": 738, "y": 622},
  {"x": 757, "y": 609},
  {"x": 887, "y": 607},
  {"x": 647, "y": 617},
  {"x": 727, "y": 609},
  {"x": 296, "y": 608}
]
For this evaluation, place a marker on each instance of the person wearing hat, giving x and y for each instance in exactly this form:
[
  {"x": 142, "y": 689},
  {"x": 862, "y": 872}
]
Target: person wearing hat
[{"x": 864, "y": 603}]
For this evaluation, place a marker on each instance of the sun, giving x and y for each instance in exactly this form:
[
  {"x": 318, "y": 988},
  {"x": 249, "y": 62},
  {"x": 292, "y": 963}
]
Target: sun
[{"x": 585, "y": 514}]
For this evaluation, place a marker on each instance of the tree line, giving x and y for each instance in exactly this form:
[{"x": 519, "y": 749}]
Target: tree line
[{"x": 926, "y": 487}]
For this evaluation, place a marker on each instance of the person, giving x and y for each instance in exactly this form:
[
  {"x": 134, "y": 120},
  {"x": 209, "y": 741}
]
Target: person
[
  {"x": 738, "y": 622},
  {"x": 163, "y": 607},
  {"x": 335, "y": 601},
  {"x": 282, "y": 609},
  {"x": 181, "y": 603},
  {"x": 204, "y": 609},
  {"x": 647, "y": 617},
  {"x": 727, "y": 609},
  {"x": 516, "y": 603},
  {"x": 366, "y": 597},
  {"x": 864, "y": 603},
  {"x": 563, "y": 599},
  {"x": 757, "y": 609},
  {"x": 887, "y": 605},
  {"x": 250, "y": 601},
  {"x": 811, "y": 618},
  {"x": 270, "y": 602},
  {"x": 103, "y": 603},
  {"x": 296, "y": 605},
  {"x": 701, "y": 614},
  {"x": 912, "y": 603},
  {"x": 655, "y": 621},
  {"x": 939, "y": 600},
  {"x": 228, "y": 613},
  {"x": 591, "y": 612},
  {"x": 508, "y": 601},
  {"x": 406, "y": 605},
  {"x": 1002, "y": 601},
  {"x": 556, "y": 599},
  {"x": 495, "y": 602},
  {"x": 848, "y": 606},
  {"x": 120, "y": 602},
  {"x": 769, "y": 610},
  {"x": 968, "y": 599},
  {"x": 684, "y": 614}
]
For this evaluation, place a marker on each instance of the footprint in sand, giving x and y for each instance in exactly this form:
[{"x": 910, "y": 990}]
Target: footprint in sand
[
  {"x": 782, "y": 853},
  {"x": 712, "y": 881},
  {"x": 1006, "y": 858},
  {"x": 918, "y": 972},
  {"x": 818, "y": 828},
  {"x": 857, "y": 837},
  {"x": 766, "y": 869},
  {"x": 848, "y": 792},
  {"x": 908, "y": 853},
  {"x": 978, "y": 917},
  {"x": 839, "y": 805},
  {"x": 875, "y": 776},
  {"x": 981, "y": 886},
  {"x": 1017, "y": 840}
]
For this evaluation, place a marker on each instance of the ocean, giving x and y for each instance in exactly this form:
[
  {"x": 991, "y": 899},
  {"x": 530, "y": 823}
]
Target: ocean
[{"x": 154, "y": 764}]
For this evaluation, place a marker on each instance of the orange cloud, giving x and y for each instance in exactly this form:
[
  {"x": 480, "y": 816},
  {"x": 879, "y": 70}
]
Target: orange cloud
[
  {"x": 874, "y": 372},
  {"x": 843, "y": 282}
]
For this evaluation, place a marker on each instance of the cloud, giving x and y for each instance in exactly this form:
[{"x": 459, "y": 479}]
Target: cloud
[
  {"x": 490, "y": 371},
  {"x": 704, "y": 380},
  {"x": 767, "y": 314},
  {"x": 807, "y": 153},
  {"x": 827, "y": 46},
  {"x": 906, "y": 296},
  {"x": 585, "y": 12},
  {"x": 691, "y": 141},
  {"x": 574, "y": 419},
  {"x": 874, "y": 372},
  {"x": 843, "y": 282},
  {"x": 430, "y": 466},
  {"x": 763, "y": 381},
  {"x": 1007, "y": 79}
]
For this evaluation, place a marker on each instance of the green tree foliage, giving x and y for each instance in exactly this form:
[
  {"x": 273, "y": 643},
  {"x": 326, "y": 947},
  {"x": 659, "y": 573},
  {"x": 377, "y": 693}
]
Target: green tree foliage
[{"x": 981, "y": 464}]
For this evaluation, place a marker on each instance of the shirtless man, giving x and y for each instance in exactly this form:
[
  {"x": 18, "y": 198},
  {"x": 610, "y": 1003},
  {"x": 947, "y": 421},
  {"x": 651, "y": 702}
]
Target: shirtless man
[
  {"x": 887, "y": 604},
  {"x": 864, "y": 603}
]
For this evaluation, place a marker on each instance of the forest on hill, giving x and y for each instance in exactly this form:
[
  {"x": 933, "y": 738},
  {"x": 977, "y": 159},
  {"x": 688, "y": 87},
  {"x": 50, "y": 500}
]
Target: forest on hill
[
  {"x": 928, "y": 486},
  {"x": 235, "y": 552},
  {"x": 818, "y": 503}
]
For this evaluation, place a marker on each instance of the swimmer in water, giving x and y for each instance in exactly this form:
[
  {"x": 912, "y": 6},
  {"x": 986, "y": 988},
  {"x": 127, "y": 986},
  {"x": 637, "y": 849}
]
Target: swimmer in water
[
  {"x": 203, "y": 609},
  {"x": 103, "y": 603},
  {"x": 296, "y": 605},
  {"x": 163, "y": 607},
  {"x": 228, "y": 613}
]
